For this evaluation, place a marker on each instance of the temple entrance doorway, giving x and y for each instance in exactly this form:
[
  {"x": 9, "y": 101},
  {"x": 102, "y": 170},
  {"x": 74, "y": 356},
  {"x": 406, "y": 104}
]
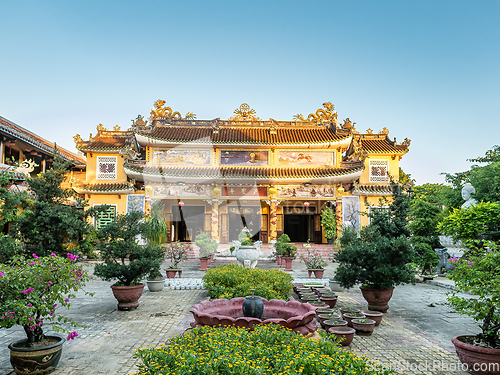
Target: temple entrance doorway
[
  {"x": 244, "y": 216},
  {"x": 187, "y": 222},
  {"x": 299, "y": 223}
]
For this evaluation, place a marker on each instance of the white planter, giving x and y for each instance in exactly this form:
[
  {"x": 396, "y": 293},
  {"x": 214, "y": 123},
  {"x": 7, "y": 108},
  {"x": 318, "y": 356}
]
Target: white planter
[
  {"x": 250, "y": 254},
  {"x": 334, "y": 285},
  {"x": 155, "y": 285}
]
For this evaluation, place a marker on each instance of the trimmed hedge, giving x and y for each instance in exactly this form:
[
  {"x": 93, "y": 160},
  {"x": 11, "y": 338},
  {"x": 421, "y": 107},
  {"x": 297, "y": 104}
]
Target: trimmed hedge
[{"x": 231, "y": 281}]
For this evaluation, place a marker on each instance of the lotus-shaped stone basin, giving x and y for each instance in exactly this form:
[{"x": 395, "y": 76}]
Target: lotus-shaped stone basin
[{"x": 222, "y": 312}]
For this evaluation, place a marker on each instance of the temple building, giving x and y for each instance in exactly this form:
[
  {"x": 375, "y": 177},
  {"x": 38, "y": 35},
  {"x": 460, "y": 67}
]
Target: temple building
[{"x": 218, "y": 176}]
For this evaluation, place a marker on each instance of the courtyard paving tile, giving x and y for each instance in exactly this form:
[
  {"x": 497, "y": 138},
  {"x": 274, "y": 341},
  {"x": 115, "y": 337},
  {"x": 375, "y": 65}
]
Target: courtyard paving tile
[{"x": 414, "y": 335}]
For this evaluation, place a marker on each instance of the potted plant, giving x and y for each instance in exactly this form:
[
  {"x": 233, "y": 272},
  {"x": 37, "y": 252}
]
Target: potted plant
[
  {"x": 156, "y": 230},
  {"x": 246, "y": 249},
  {"x": 479, "y": 276},
  {"x": 207, "y": 247},
  {"x": 176, "y": 252},
  {"x": 287, "y": 251},
  {"x": 315, "y": 262},
  {"x": 125, "y": 260},
  {"x": 363, "y": 326},
  {"x": 379, "y": 255},
  {"x": 329, "y": 224},
  {"x": 30, "y": 291},
  {"x": 343, "y": 334}
]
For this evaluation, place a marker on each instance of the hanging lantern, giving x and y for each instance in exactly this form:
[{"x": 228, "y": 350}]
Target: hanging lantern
[
  {"x": 216, "y": 190},
  {"x": 181, "y": 203},
  {"x": 273, "y": 190},
  {"x": 341, "y": 189},
  {"x": 306, "y": 204}
]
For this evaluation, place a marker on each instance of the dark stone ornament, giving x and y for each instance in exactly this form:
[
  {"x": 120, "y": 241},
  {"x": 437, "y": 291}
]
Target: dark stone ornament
[{"x": 253, "y": 307}]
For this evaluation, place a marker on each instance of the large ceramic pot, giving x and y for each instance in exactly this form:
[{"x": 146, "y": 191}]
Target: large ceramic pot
[
  {"x": 42, "y": 360},
  {"x": 155, "y": 285},
  {"x": 363, "y": 327},
  {"x": 128, "y": 296},
  {"x": 378, "y": 299},
  {"x": 479, "y": 360},
  {"x": 374, "y": 315}
]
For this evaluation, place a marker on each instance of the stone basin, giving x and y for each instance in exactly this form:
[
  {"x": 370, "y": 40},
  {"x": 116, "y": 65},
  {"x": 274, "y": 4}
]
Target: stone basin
[{"x": 222, "y": 312}]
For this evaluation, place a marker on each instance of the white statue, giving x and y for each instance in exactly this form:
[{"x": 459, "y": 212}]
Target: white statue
[{"x": 467, "y": 190}]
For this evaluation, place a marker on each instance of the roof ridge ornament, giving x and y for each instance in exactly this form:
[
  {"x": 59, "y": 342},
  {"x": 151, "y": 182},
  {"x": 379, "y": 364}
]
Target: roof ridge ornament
[
  {"x": 160, "y": 111},
  {"x": 321, "y": 116},
  {"x": 244, "y": 113}
]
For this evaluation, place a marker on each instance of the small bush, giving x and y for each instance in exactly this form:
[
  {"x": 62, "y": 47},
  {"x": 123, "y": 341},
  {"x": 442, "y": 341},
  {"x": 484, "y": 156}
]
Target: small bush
[
  {"x": 268, "y": 349},
  {"x": 232, "y": 281}
]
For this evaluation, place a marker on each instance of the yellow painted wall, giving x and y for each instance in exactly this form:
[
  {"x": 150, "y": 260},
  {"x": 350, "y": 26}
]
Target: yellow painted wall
[
  {"x": 92, "y": 165},
  {"x": 393, "y": 168}
]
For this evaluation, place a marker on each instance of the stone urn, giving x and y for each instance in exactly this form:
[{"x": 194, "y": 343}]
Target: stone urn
[
  {"x": 253, "y": 306},
  {"x": 247, "y": 254}
]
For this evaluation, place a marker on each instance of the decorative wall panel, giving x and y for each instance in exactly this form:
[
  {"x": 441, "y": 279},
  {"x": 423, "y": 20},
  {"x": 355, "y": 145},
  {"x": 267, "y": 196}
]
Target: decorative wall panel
[
  {"x": 233, "y": 157},
  {"x": 306, "y": 158},
  {"x": 181, "y": 157}
]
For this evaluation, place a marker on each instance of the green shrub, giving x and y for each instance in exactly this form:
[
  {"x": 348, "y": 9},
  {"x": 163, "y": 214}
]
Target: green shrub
[
  {"x": 268, "y": 349},
  {"x": 284, "y": 247},
  {"x": 231, "y": 281},
  {"x": 8, "y": 248},
  {"x": 207, "y": 245}
]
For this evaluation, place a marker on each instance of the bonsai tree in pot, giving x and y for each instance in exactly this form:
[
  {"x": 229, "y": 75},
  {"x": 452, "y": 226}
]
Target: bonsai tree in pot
[
  {"x": 479, "y": 275},
  {"x": 30, "y": 291},
  {"x": 424, "y": 239},
  {"x": 379, "y": 257},
  {"x": 329, "y": 224},
  {"x": 286, "y": 250},
  {"x": 125, "y": 260},
  {"x": 207, "y": 247},
  {"x": 176, "y": 252}
]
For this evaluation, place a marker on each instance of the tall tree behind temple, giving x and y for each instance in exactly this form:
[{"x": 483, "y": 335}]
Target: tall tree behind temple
[{"x": 48, "y": 223}]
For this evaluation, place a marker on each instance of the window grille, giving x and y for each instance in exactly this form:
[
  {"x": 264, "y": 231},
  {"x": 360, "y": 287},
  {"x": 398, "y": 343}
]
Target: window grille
[
  {"x": 379, "y": 170},
  {"x": 106, "y": 217},
  {"x": 106, "y": 167}
]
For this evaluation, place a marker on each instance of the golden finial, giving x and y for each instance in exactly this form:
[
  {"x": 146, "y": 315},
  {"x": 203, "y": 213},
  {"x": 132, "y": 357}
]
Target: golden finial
[
  {"x": 244, "y": 113},
  {"x": 116, "y": 128}
]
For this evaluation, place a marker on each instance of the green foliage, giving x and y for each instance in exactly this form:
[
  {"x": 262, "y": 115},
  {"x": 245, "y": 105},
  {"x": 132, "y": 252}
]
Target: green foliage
[
  {"x": 424, "y": 239},
  {"x": 177, "y": 252},
  {"x": 268, "y": 349},
  {"x": 479, "y": 275},
  {"x": 9, "y": 201},
  {"x": 435, "y": 194},
  {"x": 284, "y": 248},
  {"x": 381, "y": 254},
  {"x": 48, "y": 224},
  {"x": 405, "y": 178},
  {"x": 315, "y": 260},
  {"x": 8, "y": 248},
  {"x": 329, "y": 222},
  {"x": 490, "y": 156},
  {"x": 472, "y": 225},
  {"x": 156, "y": 228},
  {"x": 31, "y": 289},
  {"x": 207, "y": 245},
  {"x": 124, "y": 259},
  {"x": 232, "y": 281},
  {"x": 486, "y": 181},
  {"x": 245, "y": 237}
]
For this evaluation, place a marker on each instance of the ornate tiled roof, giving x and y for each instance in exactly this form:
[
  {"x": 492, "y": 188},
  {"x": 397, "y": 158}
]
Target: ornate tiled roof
[
  {"x": 104, "y": 188},
  {"x": 4, "y": 168},
  {"x": 235, "y": 173},
  {"x": 18, "y": 132},
  {"x": 245, "y": 134},
  {"x": 106, "y": 141},
  {"x": 383, "y": 145},
  {"x": 372, "y": 190}
]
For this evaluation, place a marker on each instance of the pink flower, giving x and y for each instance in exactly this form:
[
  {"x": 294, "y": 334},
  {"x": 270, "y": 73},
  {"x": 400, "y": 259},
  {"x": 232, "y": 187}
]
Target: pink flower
[
  {"x": 29, "y": 290},
  {"x": 54, "y": 305},
  {"x": 1, "y": 274},
  {"x": 51, "y": 312},
  {"x": 54, "y": 255},
  {"x": 34, "y": 256},
  {"x": 30, "y": 304},
  {"x": 31, "y": 319},
  {"x": 72, "y": 335},
  {"x": 66, "y": 300}
]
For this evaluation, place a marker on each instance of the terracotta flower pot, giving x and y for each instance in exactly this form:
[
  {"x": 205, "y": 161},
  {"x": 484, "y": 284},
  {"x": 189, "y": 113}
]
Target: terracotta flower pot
[
  {"x": 40, "y": 360},
  {"x": 127, "y": 296},
  {"x": 343, "y": 334},
  {"x": 288, "y": 263},
  {"x": 325, "y": 310},
  {"x": 363, "y": 328},
  {"x": 374, "y": 315},
  {"x": 345, "y": 310},
  {"x": 330, "y": 323},
  {"x": 319, "y": 274},
  {"x": 378, "y": 299},
  {"x": 330, "y": 301},
  {"x": 479, "y": 360},
  {"x": 348, "y": 317},
  {"x": 170, "y": 273},
  {"x": 204, "y": 264},
  {"x": 322, "y": 317}
]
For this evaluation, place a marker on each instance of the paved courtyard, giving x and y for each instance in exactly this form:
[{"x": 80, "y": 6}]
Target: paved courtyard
[{"x": 414, "y": 335}]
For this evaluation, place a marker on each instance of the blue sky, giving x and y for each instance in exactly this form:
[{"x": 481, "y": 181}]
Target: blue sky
[{"x": 427, "y": 70}]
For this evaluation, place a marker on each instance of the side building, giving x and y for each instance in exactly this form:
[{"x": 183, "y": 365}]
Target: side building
[{"x": 218, "y": 176}]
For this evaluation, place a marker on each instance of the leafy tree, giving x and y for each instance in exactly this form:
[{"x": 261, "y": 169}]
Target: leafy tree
[
  {"x": 405, "y": 178},
  {"x": 431, "y": 193},
  {"x": 424, "y": 220},
  {"x": 48, "y": 224},
  {"x": 490, "y": 156},
  {"x": 381, "y": 254},
  {"x": 124, "y": 259},
  {"x": 473, "y": 225}
]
